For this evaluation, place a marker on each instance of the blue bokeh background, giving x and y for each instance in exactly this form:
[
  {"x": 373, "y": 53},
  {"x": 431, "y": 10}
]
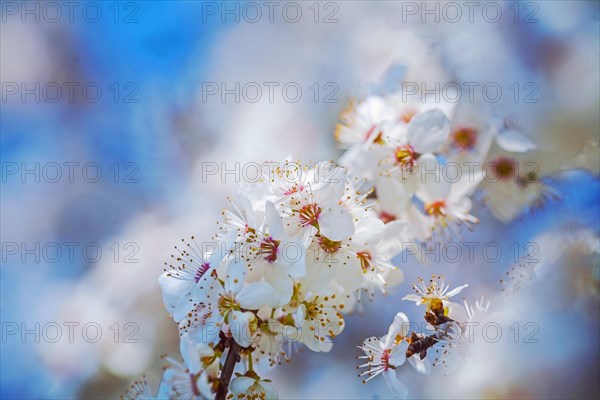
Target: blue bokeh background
[{"x": 164, "y": 136}]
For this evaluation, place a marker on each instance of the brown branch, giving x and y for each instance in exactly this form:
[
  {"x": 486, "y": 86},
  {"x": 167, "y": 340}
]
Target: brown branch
[
  {"x": 420, "y": 345},
  {"x": 233, "y": 356},
  {"x": 437, "y": 319}
]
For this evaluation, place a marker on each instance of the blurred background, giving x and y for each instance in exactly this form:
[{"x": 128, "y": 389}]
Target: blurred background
[{"x": 111, "y": 112}]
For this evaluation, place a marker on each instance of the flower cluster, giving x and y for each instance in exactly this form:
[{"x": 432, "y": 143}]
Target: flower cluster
[
  {"x": 299, "y": 249},
  {"x": 449, "y": 339},
  {"x": 293, "y": 254},
  {"x": 425, "y": 160}
]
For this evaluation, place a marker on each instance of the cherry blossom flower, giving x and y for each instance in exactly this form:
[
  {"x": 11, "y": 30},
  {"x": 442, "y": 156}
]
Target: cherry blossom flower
[
  {"x": 342, "y": 261},
  {"x": 383, "y": 355},
  {"x": 221, "y": 306},
  {"x": 319, "y": 320},
  {"x": 436, "y": 290},
  {"x": 318, "y": 209},
  {"x": 395, "y": 204},
  {"x": 270, "y": 338},
  {"x": 140, "y": 390},
  {"x": 276, "y": 257},
  {"x": 424, "y": 134},
  {"x": 299, "y": 248},
  {"x": 525, "y": 186},
  {"x": 447, "y": 204},
  {"x": 197, "y": 377},
  {"x": 179, "y": 282},
  {"x": 358, "y": 122},
  {"x": 246, "y": 387}
]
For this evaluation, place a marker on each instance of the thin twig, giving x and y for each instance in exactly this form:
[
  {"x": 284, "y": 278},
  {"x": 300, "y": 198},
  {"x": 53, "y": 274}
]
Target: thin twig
[{"x": 233, "y": 356}]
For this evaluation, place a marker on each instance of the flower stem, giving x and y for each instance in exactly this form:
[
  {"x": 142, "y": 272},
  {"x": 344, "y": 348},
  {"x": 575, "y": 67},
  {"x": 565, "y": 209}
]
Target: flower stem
[
  {"x": 233, "y": 356},
  {"x": 250, "y": 367}
]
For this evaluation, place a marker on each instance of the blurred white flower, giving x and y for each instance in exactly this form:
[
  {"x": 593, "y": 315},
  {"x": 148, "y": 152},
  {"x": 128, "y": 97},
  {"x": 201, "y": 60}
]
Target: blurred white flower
[
  {"x": 425, "y": 133},
  {"x": 359, "y": 122},
  {"x": 447, "y": 204},
  {"x": 452, "y": 350}
]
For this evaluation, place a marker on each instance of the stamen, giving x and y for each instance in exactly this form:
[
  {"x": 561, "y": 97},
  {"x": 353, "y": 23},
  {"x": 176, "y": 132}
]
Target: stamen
[
  {"x": 407, "y": 116},
  {"x": 436, "y": 208},
  {"x": 386, "y": 217},
  {"x": 268, "y": 248},
  {"x": 365, "y": 261},
  {"x": 504, "y": 167},
  {"x": 202, "y": 269},
  {"x": 309, "y": 214},
  {"x": 464, "y": 138},
  {"x": 406, "y": 157},
  {"x": 328, "y": 246}
]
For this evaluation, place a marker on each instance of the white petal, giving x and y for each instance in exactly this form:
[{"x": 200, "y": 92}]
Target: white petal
[
  {"x": 239, "y": 326},
  {"x": 457, "y": 312},
  {"x": 395, "y": 238},
  {"x": 318, "y": 275},
  {"x": 413, "y": 297},
  {"x": 236, "y": 274},
  {"x": 427, "y": 131},
  {"x": 189, "y": 354},
  {"x": 254, "y": 295},
  {"x": 270, "y": 391},
  {"x": 392, "y": 195},
  {"x": 335, "y": 223},
  {"x": 247, "y": 209},
  {"x": 514, "y": 141},
  {"x": 274, "y": 221},
  {"x": 215, "y": 257},
  {"x": 374, "y": 109},
  {"x": 397, "y": 387},
  {"x": 208, "y": 289},
  {"x": 422, "y": 366},
  {"x": 205, "y": 387},
  {"x": 418, "y": 224},
  {"x": 240, "y": 384},
  {"x": 465, "y": 186},
  {"x": 456, "y": 291},
  {"x": 363, "y": 160},
  {"x": 312, "y": 341},
  {"x": 398, "y": 327},
  {"x": 327, "y": 182},
  {"x": 398, "y": 354},
  {"x": 300, "y": 315},
  {"x": 282, "y": 286},
  {"x": 256, "y": 269},
  {"x": 214, "y": 369},
  {"x": 393, "y": 277},
  {"x": 166, "y": 384},
  {"x": 174, "y": 291},
  {"x": 368, "y": 232},
  {"x": 348, "y": 275},
  {"x": 204, "y": 328},
  {"x": 433, "y": 186},
  {"x": 292, "y": 255}
]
